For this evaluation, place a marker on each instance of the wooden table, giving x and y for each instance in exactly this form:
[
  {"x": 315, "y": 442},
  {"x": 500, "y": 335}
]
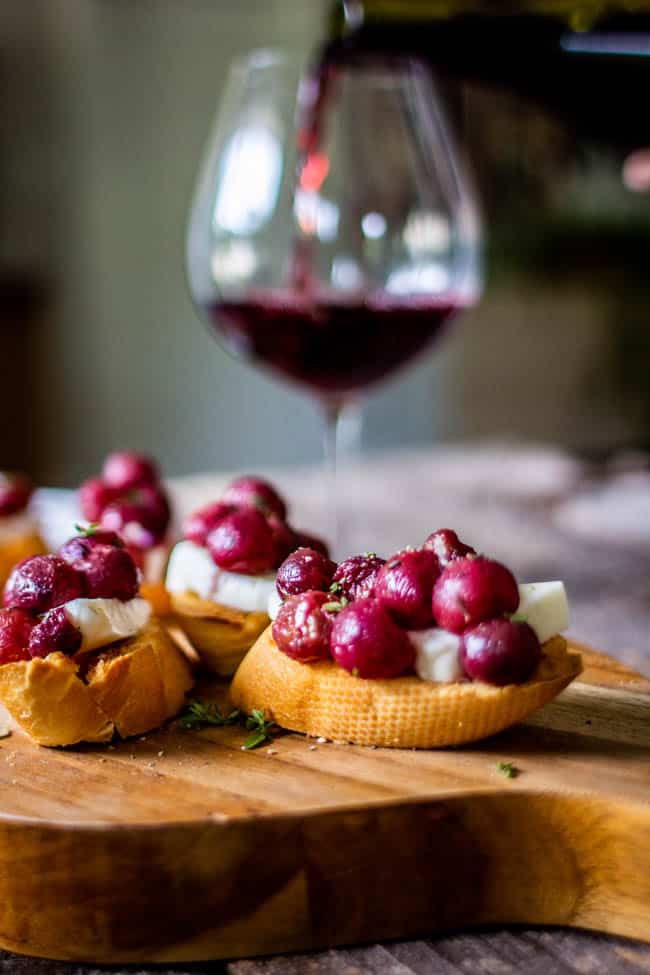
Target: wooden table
[{"x": 525, "y": 507}]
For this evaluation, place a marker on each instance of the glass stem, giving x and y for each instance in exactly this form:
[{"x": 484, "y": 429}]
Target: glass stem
[
  {"x": 341, "y": 437},
  {"x": 332, "y": 414}
]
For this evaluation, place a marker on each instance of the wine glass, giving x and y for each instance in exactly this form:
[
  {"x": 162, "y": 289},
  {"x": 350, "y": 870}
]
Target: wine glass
[{"x": 333, "y": 231}]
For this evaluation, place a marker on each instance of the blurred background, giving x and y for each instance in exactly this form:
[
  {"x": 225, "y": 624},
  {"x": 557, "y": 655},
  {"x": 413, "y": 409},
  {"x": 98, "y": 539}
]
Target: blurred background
[{"x": 105, "y": 109}]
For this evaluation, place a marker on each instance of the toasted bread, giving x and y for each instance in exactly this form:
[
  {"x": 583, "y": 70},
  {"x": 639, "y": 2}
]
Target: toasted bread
[
  {"x": 129, "y": 688},
  {"x": 323, "y": 699},
  {"x": 220, "y": 635}
]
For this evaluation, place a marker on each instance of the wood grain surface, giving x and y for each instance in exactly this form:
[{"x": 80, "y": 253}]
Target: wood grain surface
[{"x": 181, "y": 846}]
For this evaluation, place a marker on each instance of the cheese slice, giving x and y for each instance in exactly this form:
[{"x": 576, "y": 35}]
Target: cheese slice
[
  {"x": 545, "y": 607},
  {"x": 103, "y": 621},
  {"x": 437, "y": 655}
]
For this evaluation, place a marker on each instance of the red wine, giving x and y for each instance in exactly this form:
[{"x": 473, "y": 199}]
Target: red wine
[{"x": 330, "y": 346}]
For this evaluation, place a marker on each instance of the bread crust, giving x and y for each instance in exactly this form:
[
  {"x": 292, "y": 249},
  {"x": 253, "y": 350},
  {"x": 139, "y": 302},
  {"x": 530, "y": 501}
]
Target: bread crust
[
  {"x": 221, "y": 636},
  {"x": 323, "y": 699},
  {"x": 129, "y": 688}
]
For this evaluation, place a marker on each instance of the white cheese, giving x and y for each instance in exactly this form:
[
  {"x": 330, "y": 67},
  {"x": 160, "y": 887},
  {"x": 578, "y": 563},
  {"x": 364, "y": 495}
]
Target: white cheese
[
  {"x": 274, "y": 603},
  {"x": 437, "y": 655},
  {"x": 103, "y": 621},
  {"x": 191, "y": 569},
  {"x": 544, "y": 606},
  {"x": 248, "y": 593}
]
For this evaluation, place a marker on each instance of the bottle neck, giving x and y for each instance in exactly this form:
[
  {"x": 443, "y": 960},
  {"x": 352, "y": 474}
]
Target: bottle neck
[{"x": 593, "y": 77}]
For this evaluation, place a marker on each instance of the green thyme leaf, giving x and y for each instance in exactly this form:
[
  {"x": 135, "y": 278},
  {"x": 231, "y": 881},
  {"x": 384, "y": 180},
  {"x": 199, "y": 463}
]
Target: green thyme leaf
[
  {"x": 87, "y": 530},
  {"x": 335, "y": 588},
  {"x": 198, "y": 714},
  {"x": 508, "y": 770},
  {"x": 336, "y": 605},
  {"x": 255, "y": 740},
  {"x": 261, "y": 728}
]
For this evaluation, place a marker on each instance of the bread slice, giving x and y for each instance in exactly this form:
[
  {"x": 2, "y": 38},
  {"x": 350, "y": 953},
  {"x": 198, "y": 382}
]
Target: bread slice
[
  {"x": 129, "y": 688},
  {"x": 220, "y": 635},
  {"x": 406, "y": 712}
]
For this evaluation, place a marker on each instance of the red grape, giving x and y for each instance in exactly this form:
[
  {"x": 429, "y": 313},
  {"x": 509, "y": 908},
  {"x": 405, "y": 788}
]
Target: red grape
[
  {"x": 94, "y": 497},
  {"x": 367, "y": 641},
  {"x": 141, "y": 518},
  {"x": 242, "y": 542},
  {"x": 253, "y": 491},
  {"x": 447, "y": 546},
  {"x": 500, "y": 652},
  {"x": 404, "y": 586},
  {"x": 41, "y": 582},
  {"x": 312, "y": 541},
  {"x": 199, "y": 524},
  {"x": 15, "y": 492},
  {"x": 304, "y": 569},
  {"x": 110, "y": 573},
  {"x": 78, "y": 547},
  {"x": 356, "y": 576},
  {"x": 302, "y": 628},
  {"x": 15, "y": 627},
  {"x": 125, "y": 469},
  {"x": 54, "y": 633},
  {"x": 285, "y": 539},
  {"x": 132, "y": 523},
  {"x": 471, "y": 590}
]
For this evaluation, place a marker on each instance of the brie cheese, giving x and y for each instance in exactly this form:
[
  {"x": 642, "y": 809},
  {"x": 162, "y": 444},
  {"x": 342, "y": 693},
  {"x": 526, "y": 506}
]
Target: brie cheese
[
  {"x": 103, "y": 621},
  {"x": 437, "y": 655},
  {"x": 192, "y": 569},
  {"x": 544, "y": 606}
]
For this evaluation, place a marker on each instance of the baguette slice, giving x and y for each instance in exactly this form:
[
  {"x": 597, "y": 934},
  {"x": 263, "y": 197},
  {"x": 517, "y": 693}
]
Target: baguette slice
[
  {"x": 323, "y": 699},
  {"x": 129, "y": 688},
  {"x": 220, "y": 635}
]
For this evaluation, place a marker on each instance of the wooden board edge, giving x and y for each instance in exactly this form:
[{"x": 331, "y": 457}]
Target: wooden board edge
[{"x": 312, "y": 881}]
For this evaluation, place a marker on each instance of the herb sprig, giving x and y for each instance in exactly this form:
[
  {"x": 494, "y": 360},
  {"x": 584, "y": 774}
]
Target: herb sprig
[
  {"x": 261, "y": 728},
  {"x": 200, "y": 714},
  {"x": 508, "y": 770}
]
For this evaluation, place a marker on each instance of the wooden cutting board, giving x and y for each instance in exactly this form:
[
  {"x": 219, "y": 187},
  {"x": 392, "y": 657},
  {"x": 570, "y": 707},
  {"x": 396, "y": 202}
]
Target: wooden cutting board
[{"x": 181, "y": 846}]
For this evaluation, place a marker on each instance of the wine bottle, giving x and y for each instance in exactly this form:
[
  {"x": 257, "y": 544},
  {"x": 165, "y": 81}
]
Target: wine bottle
[{"x": 587, "y": 61}]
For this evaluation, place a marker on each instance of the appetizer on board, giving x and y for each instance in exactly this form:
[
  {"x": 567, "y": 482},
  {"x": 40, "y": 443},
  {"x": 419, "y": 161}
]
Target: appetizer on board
[
  {"x": 81, "y": 657},
  {"x": 435, "y": 646},
  {"x": 129, "y": 498},
  {"x": 221, "y": 576}
]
